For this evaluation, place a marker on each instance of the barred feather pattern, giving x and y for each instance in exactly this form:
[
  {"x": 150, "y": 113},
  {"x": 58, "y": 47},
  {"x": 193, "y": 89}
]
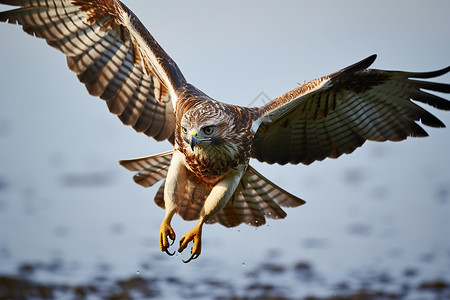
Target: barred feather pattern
[
  {"x": 150, "y": 169},
  {"x": 335, "y": 114},
  {"x": 119, "y": 61},
  {"x": 256, "y": 199},
  {"x": 112, "y": 54}
]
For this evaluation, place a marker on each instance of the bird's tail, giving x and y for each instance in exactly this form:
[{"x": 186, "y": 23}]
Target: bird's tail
[{"x": 255, "y": 198}]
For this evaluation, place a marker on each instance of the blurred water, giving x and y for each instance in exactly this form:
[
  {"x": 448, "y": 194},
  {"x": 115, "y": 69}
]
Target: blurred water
[{"x": 374, "y": 220}]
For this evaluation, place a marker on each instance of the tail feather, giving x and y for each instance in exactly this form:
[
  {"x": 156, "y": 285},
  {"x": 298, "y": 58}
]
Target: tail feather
[{"x": 255, "y": 199}]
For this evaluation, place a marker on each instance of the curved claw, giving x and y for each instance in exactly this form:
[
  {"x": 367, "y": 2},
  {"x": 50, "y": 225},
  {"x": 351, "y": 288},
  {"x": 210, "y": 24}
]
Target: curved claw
[
  {"x": 193, "y": 256},
  {"x": 166, "y": 237},
  {"x": 195, "y": 236},
  {"x": 168, "y": 253}
]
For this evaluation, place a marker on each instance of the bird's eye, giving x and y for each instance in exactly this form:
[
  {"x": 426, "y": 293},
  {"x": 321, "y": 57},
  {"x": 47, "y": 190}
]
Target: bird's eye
[
  {"x": 208, "y": 130},
  {"x": 184, "y": 129}
]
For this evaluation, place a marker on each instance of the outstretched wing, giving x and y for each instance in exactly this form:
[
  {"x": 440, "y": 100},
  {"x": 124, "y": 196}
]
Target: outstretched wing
[
  {"x": 112, "y": 53},
  {"x": 337, "y": 113}
]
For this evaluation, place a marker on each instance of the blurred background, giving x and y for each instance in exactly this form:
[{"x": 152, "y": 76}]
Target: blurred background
[{"x": 73, "y": 222}]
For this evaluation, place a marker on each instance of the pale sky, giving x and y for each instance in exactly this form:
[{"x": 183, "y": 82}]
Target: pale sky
[{"x": 233, "y": 51}]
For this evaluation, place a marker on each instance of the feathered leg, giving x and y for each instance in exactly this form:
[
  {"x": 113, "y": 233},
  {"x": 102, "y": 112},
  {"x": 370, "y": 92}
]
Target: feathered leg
[
  {"x": 173, "y": 191},
  {"x": 216, "y": 200}
]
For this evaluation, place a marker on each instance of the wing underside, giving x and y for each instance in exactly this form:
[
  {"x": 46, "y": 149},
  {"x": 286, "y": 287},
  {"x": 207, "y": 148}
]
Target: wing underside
[
  {"x": 112, "y": 54},
  {"x": 335, "y": 114}
]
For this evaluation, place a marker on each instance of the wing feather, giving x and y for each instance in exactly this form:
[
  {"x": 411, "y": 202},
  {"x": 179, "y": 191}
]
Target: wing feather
[
  {"x": 151, "y": 169},
  {"x": 112, "y": 54},
  {"x": 337, "y": 113}
]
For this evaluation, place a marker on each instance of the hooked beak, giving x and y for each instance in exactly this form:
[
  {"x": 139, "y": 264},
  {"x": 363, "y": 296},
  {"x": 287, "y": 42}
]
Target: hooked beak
[{"x": 194, "y": 139}]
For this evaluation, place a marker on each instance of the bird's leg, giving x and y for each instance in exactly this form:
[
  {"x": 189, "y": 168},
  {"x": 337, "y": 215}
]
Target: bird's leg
[
  {"x": 216, "y": 200},
  {"x": 173, "y": 189},
  {"x": 195, "y": 235},
  {"x": 164, "y": 231}
]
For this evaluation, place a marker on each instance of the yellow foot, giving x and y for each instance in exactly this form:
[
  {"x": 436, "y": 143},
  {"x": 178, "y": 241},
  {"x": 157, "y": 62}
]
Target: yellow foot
[
  {"x": 194, "y": 235},
  {"x": 164, "y": 231}
]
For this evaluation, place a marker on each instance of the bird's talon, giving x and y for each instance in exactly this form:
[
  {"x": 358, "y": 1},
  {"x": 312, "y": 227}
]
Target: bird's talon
[
  {"x": 194, "y": 236},
  {"x": 168, "y": 253},
  {"x": 193, "y": 256},
  {"x": 166, "y": 238}
]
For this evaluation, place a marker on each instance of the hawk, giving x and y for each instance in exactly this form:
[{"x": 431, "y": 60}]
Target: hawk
[{"x": 207, "y": 176}]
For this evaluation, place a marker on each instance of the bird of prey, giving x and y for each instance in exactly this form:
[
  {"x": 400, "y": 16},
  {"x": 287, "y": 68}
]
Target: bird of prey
[{"x": 207, "y": 176}]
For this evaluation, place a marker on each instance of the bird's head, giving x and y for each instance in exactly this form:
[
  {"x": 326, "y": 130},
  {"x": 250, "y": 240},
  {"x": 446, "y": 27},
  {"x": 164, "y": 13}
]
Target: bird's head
[
  {"x": 207, "y": 131},
  {"x": 200, "y": 132}
]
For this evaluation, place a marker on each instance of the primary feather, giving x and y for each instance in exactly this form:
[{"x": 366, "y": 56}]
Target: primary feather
[{"x": 207, "y": 175}]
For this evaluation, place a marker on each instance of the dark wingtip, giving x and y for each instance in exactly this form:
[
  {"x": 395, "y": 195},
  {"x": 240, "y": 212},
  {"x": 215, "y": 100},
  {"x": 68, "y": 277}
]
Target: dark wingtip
[
  {"x": 363, "y": 64},
  {"x": 11, "y": 2},
  {"x": 431, "y": 74},
  {"x": 360, "y": 65},
  {"x": 369, "y": 60}
]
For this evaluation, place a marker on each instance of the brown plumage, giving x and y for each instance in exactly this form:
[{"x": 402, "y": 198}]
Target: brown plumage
[
  {"x": 232, "y": 144},
  {"x": 207, "y": 174}
]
